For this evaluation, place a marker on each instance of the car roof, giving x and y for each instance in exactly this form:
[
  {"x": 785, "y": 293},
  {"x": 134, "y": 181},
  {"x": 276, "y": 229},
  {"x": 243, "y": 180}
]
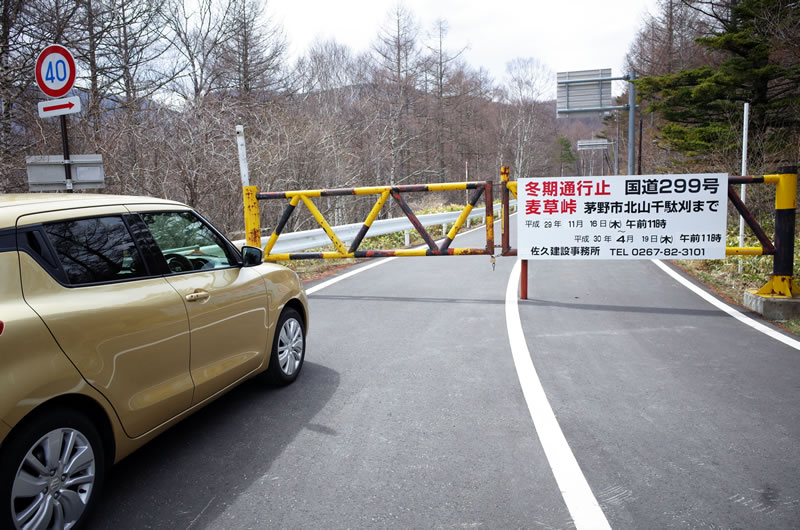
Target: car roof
[{"x": 14, "y": 205}]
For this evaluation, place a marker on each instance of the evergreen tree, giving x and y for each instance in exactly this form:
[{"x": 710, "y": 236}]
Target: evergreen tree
[
  {"x": 565, "y": 154},
  {"x": 752, "y": 62}
]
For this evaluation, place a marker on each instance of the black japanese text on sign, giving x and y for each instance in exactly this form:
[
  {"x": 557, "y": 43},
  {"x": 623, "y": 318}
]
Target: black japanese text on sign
[{"x": 623, "y": 217}]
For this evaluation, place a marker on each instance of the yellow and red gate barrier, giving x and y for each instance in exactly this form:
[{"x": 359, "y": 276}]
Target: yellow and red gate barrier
[
  {"x": 780, "y": 285},
  {"x": 252, "y": 223}
]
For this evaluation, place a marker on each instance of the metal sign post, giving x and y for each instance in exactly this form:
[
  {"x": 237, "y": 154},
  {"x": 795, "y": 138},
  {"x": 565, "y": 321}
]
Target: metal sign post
[
  {"x": 631, "y": 121},
  {"x": 599, "y": 144},
  {"x": 55, "y": 75},
  {"x": 65, "y": 145},
  {"x": 589, "y": 92},
  {"x": 745, "y": 126}
]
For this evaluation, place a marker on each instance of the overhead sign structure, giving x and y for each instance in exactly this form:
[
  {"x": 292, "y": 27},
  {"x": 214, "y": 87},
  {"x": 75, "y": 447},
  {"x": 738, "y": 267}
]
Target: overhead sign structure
[
  {"x": 55, "y": 71},
  {"x": 584, "y": 91},
  {"x": 632, "y": 217},
  {"x": 588, "y": 92},
  {"x": 59, "y": 107}
]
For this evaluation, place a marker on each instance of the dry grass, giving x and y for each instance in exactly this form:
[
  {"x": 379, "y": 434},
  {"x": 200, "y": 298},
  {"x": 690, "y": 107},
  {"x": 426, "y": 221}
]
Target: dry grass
[{"x": 723, "y": 277}]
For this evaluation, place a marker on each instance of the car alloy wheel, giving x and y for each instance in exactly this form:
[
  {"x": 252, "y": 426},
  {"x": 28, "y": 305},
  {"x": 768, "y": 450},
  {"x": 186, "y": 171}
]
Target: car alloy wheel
[
  {"x": 54, "y": 481},
  {"x": 290, "y": 346}
]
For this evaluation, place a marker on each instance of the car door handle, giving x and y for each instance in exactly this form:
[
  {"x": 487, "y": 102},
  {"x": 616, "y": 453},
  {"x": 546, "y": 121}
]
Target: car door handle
[{"x": 197, "y": 295}]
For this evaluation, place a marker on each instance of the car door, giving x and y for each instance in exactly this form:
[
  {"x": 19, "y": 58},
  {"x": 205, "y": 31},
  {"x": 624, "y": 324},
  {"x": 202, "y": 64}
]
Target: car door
[
  {"x": 226, "y": 303},
  {"x": 118, "y": 320}
]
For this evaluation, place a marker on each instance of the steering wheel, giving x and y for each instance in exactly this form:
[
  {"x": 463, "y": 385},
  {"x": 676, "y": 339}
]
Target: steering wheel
[{"x": 178, "y": 263}]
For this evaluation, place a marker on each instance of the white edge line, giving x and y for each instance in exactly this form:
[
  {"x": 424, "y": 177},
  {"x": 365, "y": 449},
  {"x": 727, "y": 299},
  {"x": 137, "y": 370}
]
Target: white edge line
[
  {"x": 581, "y": 503},
  {"x": 323, "y": 285},
  {"x": 758, "y": 326}
]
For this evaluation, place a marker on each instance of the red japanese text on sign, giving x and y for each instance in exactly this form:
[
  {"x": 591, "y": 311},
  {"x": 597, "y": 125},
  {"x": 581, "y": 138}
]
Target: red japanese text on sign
[
  {"x": 568, "y": 188},
  {"x": 633, "y": 217},
  {"x": 550, "y": 206}
]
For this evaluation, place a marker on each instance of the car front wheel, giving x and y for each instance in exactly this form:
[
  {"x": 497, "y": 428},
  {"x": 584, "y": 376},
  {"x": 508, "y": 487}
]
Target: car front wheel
[
  {"x": 51, "y": 470},
  {"x": 288, "y": 348}
]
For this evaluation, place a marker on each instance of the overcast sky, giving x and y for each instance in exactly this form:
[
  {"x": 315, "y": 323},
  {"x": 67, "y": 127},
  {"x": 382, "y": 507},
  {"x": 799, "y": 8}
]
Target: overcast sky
[{"x": 566, "y": 35}]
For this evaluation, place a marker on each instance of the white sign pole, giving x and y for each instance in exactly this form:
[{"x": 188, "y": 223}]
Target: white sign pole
[
  {"x": 744, "y": 173},
  {"x": 242, "y": 156}
]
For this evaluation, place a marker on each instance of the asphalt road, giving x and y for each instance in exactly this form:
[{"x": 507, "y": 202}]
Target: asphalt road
[{"x": 409, "y": 412}]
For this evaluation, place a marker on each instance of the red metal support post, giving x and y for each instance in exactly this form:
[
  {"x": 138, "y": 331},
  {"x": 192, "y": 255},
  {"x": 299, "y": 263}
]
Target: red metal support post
[{"x": 523, "y": 281}]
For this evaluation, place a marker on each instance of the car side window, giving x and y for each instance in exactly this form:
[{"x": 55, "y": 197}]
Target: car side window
[
  {"x": 95, "y": 250},
  {"x": 186, "y": 242}
]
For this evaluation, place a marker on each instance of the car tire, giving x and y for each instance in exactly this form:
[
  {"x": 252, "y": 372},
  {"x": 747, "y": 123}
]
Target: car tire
[
  {"x": 288, "y": 349},
  {"x": 51, "y": 491}
]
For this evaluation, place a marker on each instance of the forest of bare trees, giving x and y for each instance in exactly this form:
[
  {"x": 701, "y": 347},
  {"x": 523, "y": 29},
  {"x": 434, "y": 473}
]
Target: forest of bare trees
[
  {"x": 699, "y": 61},
  {"x": 164, "y": 83}
]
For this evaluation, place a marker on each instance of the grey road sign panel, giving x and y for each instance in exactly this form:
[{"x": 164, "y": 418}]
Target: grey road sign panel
[
  {"x": 582, "y": 90},
  {"x": 587, "y": 145},
  {"x": 46, "y": 173}
]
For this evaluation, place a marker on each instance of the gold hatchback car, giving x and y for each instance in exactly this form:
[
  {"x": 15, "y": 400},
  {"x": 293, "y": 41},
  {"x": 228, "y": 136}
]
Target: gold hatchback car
[{"x": 119, "y": 316}]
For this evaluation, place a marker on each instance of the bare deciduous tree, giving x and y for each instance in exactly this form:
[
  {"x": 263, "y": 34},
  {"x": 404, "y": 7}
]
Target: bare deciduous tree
[
  {"x": 198, "y": 35},
  {"x": 524, "y": 133},
  {"x": 252, "y": 55}
]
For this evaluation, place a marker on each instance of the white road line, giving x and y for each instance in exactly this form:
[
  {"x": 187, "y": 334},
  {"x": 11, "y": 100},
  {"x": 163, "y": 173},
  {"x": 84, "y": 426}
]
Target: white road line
[
  {"x": 337, "y": 279},
  {"x": 728, "y": 309},
  {"x": 581, "y": 503}
]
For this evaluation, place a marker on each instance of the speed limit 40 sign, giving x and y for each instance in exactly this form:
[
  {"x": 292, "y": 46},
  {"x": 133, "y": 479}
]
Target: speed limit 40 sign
[{"x": 55, "y": 71}]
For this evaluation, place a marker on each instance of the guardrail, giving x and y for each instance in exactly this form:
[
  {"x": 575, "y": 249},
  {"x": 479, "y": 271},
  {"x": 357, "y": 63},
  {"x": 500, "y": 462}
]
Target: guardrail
[
  {"x": 307, "y": 239},
  {"x": 479, "y": 189}
]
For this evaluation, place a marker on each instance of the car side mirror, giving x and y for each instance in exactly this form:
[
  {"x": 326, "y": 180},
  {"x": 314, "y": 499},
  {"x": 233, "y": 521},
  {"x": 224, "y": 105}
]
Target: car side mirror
[{"x": 252, "y": 256}]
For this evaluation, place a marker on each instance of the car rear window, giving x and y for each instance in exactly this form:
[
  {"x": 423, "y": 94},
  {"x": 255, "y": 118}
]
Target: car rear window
[{"x": 95, "y": 250}]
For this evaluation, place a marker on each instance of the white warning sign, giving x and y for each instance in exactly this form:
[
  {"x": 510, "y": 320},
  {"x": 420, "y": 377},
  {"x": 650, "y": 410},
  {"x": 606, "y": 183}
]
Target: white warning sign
[{"x": 623, "y": 217}]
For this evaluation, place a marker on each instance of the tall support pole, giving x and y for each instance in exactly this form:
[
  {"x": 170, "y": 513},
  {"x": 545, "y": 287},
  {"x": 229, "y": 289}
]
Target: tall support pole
[
  {"x": 243, "y": 170},
  {"x": 781, "y": 284},
  {"x": 641, "y": 137},
  {"x": 65, "y": 146},
  {"x": 631, "y": 121},
  {"x": 252, "y": 220},
  {"x": 616, "y": 149},
  {"x": 743, "y": 193}
]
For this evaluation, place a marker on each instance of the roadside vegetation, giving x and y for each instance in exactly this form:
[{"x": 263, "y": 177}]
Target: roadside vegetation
[
  {"x": 723, "y": 277},
  {"x": 163, "y": 85}
]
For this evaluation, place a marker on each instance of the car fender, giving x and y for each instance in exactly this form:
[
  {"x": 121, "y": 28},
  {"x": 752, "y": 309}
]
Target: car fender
[{"x": 283, "y": 287}]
